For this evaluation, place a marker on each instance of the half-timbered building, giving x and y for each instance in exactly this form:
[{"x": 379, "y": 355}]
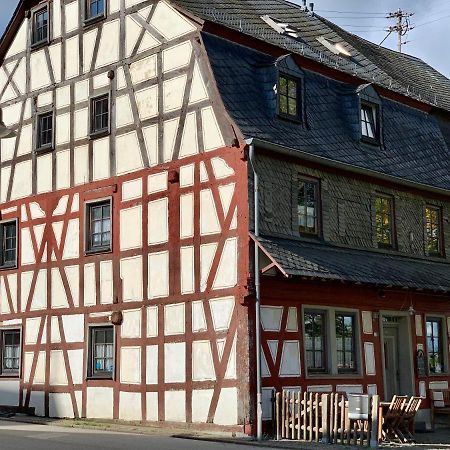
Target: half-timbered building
[{"x": 156, "y": 144}]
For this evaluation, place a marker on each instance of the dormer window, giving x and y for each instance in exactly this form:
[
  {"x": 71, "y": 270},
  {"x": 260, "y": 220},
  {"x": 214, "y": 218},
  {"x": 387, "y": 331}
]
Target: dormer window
[
  {"x": 40, "y": 26},
  {"x": 289, "y": 97},
  {"x": 369, "y": 122}
]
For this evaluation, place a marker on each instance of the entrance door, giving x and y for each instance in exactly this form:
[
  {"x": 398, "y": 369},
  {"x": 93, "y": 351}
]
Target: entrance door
[{"x": 391, "y": 369}]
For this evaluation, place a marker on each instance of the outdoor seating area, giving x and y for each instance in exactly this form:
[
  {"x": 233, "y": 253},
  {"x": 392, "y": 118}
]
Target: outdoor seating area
[
  {"x": 440, "y": 404},
  {"x": 338, "y": 418},
  {"x": 396, "y": 419}
]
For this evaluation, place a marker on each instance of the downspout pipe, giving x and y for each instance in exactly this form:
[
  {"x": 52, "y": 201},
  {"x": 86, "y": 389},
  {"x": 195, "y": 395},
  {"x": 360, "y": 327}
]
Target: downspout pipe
[{"x": 257, "y": 292}]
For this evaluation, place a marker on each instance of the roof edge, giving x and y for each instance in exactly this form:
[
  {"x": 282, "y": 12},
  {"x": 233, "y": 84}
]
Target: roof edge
[{"x": 301, "y": 154}]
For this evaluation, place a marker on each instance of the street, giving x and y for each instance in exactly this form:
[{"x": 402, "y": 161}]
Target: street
[{"x": 18, "y": 436}]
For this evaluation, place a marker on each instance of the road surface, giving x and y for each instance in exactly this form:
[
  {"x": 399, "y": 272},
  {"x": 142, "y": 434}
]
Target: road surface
[{"x": 19, "y": 436}]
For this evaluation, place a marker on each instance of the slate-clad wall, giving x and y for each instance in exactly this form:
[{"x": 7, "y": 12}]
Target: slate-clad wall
[{"x": 347, "y": 207}]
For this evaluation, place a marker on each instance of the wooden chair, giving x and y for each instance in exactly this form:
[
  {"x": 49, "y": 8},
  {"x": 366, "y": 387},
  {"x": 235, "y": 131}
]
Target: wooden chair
[
  {"x": 440, "y": 403},
  {"x": 406, "y": 427},
  {"x": 393, "y": 418}
]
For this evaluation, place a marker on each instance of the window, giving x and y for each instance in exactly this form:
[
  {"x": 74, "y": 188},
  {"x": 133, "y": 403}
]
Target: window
[
  {"x": 100, "y": 115},
  {"x": 369, "y": 122},
  {"x": 8, "y": 236},
  {"x": 384, "y": 221},
  {"x": 99, "y": 226},
  {"x": 345, "y": 343},
  {"x": 331, "y": 342},
  {"x": 308, "y": 206},
  {"x": 435, "y": 345},
  {"x": 433, "y": 235},
  {"x": 315, "y": 342},
  {"x": 288, "y": 97},
  {"x": 101, "y": 348},
  {"x": 10, "y": 352},
  {"x": 94, "y": 9},
  {"x": 45, "y": 131},
  {"x": 40, "y": 26}
]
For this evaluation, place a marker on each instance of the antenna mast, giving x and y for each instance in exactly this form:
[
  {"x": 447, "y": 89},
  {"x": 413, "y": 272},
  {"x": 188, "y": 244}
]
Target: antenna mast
[{"x": 402, "y": 26}]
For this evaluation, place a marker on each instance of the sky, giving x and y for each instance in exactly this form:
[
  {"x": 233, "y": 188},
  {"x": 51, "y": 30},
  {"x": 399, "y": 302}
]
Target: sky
[{"x": 428, "y": 40}]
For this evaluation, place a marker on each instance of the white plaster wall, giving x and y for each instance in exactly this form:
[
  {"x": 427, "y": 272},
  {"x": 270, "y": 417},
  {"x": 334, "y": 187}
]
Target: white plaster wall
[
  {"x": 99, "y": 403},
  {"x": 175, "y": 406},
  {"x": 175, "y": 363},
  {"x": 131, "y": 275},
  {"x": 130, "y": 406}
]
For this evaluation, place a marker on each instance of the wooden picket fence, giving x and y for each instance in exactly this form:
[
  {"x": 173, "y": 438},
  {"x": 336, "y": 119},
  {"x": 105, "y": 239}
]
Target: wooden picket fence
[{"x": 323, "y": 417}]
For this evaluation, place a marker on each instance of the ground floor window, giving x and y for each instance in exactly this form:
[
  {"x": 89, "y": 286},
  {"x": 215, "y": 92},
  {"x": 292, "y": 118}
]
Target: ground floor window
[
  {"x": 10, "y": 352},
  {"x": 330, "y": 341},
  {"x": 101, "y": 349},
  {"x": 435, "y": 345},
  {"x": 345, "y": 343}
]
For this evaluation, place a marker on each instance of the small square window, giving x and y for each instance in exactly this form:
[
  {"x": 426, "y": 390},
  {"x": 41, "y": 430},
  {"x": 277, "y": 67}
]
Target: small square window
[
  {"x": 369, "y": 122},
  {"x": 95, "y": 9},
  {"x": 433, "y": 231},
  {"x": 45, "y": 131},
  {"x": 8, "y": 237},
  {"x": 101, "y": 352},
  {"x": 100, "y": 115},
  {"x": 10, "y": 348},
  {"x": 40, "y": 26},
  {"x": 98, "y": 226},
  {"x": 289, "y": 105}
]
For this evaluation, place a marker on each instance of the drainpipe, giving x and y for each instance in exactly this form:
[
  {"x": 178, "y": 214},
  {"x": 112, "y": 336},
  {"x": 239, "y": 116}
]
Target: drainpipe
[{"x": 257, "y": 293}]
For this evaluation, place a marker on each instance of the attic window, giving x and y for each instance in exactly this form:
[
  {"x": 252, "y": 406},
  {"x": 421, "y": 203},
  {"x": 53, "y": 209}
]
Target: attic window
[
  {"x": 336, "y": 48},
  {"x": 40, "y": 26},
  {"x": 369, "y": 122},
  {"x": 289, "y": 97}
]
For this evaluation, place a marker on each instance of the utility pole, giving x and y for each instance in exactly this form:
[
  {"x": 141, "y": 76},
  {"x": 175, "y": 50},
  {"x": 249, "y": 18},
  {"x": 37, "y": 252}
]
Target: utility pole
[{"x": 402, "y": 26}]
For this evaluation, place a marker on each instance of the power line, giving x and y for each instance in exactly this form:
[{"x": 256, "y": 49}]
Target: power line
[
  {"x": 432, "y": 21},
  {"x": 350, "y": 12},
  {"x": 402, "y": 26}
]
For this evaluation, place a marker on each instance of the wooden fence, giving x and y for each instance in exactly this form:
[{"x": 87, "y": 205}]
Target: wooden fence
[{"x": 323, "y": 417}]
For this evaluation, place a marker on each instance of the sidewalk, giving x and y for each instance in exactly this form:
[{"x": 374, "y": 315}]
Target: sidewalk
[{"x": 440, "y": 439}]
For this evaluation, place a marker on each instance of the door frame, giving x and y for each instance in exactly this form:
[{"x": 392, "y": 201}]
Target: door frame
[{"x": 405, "y": 315}]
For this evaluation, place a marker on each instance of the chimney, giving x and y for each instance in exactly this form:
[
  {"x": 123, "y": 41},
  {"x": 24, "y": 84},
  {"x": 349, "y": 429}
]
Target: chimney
[
  {"x": 311, "y": 7},
  {"x": 304, "y": 3}
]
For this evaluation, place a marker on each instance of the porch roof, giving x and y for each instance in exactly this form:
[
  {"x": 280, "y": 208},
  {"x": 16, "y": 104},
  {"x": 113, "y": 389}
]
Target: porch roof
[{"x": 322, "y": 261}]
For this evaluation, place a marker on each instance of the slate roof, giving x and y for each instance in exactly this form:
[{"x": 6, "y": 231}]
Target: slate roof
[
  {"x": 414, "y": 146},
  {"x": 321, "y": 261},
  {"x": 399, "y": 72}
]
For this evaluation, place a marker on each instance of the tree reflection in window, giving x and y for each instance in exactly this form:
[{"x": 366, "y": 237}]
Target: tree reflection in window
[
  {"x": 308, "y": 206},
  {"x": 384, "y": 221},
  {"x": 315, "y": 341},
  {"x": 433, "y": 230},
  {"x": 345, "y": 343}
]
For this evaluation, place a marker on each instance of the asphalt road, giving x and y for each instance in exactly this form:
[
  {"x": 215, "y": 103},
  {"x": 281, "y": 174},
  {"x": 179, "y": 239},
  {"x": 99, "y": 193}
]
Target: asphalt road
[{"x": 18, "y": 436}]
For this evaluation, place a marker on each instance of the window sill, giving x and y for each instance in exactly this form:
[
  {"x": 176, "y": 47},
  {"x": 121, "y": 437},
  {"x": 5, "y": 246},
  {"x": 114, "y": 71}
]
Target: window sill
[
  {"x": 371, "y": 141},
  {"x": 45, "y": 149},
  {"x": 97, "y": 251},
  {"x": 295, "y": 119},
  {"x": 38, "y": 45},
  {"x": 100, "y": 377},
  {"x": 334, "y": 376},
  {"x": 8, "y": 267},
  {"x": 442, "y": 374},
  {"x": 99, "y": 134},
  {"x": 9, "y": 376},
  {"x": 92, "y": 20}
]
